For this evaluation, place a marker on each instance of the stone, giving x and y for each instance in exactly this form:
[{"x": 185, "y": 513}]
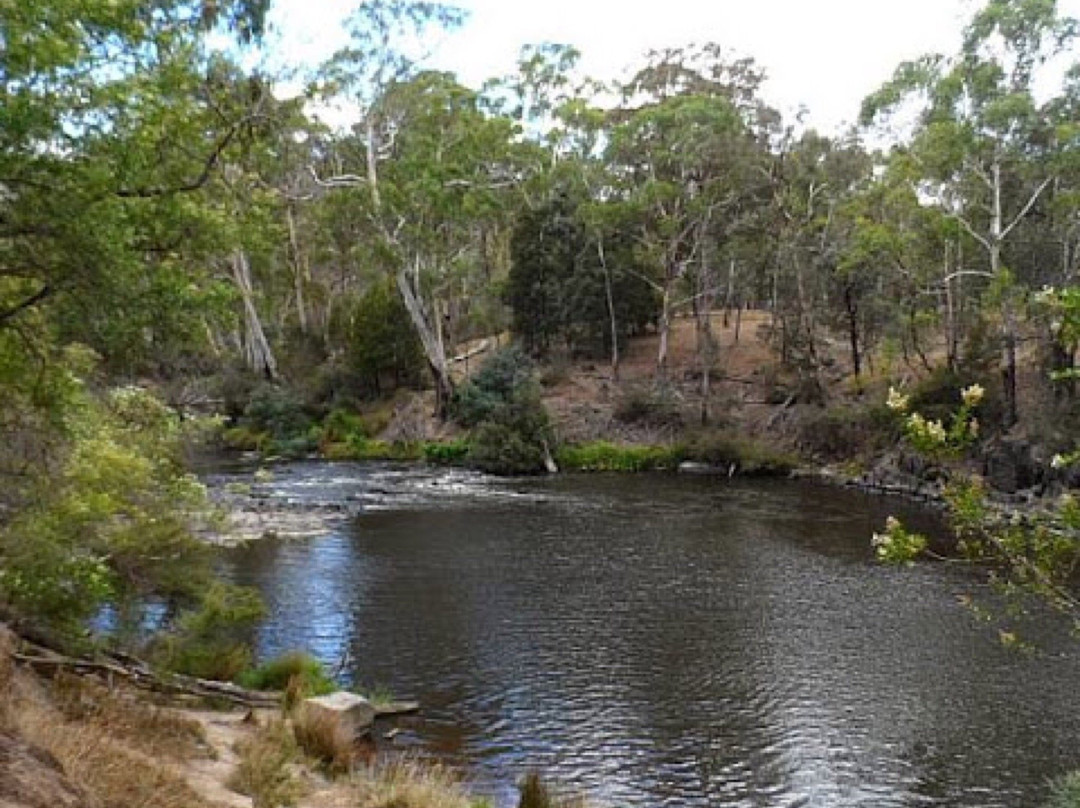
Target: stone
[
  {"x": 353, "y": 712},
  {"x": 1010, "y": 465},
  {"x": 703, "y": 469}
]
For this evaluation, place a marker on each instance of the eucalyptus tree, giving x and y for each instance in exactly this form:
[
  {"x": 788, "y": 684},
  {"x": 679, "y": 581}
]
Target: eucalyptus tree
[
  {"x": 685, "y": 151},
  {"x": 985, "y": 145},
  {"x": 449, "y": 168}
]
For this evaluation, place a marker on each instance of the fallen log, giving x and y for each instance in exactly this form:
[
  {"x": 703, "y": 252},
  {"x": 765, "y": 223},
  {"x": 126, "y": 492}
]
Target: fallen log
[{"x": 142, "y": 677}]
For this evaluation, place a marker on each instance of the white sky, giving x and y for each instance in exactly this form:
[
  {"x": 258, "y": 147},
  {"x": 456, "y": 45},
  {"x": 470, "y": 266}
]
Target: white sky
[{"x": 824, "y": 54}]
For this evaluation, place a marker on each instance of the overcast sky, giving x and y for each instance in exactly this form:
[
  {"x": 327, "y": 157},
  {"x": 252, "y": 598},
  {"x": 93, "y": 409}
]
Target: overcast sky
[{"x": 823, "y": 54}]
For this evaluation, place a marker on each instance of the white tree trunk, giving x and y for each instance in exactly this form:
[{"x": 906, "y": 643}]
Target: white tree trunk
[{"x": 255, "y": 346}]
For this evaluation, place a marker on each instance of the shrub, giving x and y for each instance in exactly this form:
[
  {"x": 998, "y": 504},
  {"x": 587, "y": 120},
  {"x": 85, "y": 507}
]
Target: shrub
[
  {"x": 341, "y": 425},
  {"x": 502, "y": 404},
  {"x": 742, "y": 455},
  {"x": 506, "y": 376},
  {"x": 535, "y": 793},
  {"x": 656, "y": 407},
  {"x": 295, "y": 669},
  {"x": 448, "y": 454},
  {"x": 277, "y": 412},
  {"x": 212, "y": 642},
  {"x": 263, "y": 772},
  {"x": 841, "y": 433},
  {"x": 604, "y": 456},
  {"x": 1065, "y": 792}
]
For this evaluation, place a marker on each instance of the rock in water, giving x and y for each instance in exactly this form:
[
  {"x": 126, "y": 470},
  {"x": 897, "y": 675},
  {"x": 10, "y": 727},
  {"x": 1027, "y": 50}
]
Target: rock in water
[{"x": 350, "y": 711}]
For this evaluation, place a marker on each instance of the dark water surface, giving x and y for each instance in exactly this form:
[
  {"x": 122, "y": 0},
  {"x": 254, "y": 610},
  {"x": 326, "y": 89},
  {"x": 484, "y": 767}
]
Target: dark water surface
[{"x": 658, "y": 641}]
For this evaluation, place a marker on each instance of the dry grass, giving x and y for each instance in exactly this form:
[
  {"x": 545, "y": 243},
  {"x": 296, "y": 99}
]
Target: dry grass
[
  {"x": 114, "y": 775},
  {"x": 325, "y": 739},
  {"x": 535, "y": 793},
  {"x": 127, "y": 716},
  {"x": 266, "y": 772},
  {"x": 408, "y": 784}
]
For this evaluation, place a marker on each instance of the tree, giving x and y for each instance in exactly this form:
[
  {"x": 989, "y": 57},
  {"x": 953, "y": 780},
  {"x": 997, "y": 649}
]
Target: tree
[
  {"x": 683, "y": 158},
  {"x": 113, "y": 130},
  {"x": 984, "y": 145}
]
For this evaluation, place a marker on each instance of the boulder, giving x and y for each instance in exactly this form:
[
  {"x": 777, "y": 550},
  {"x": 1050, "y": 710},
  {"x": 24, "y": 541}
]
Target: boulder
[
  {"x": 32, "y": 778},
  {"x": 1009, "y": 465},
  {"x": 352, "y": 712}
]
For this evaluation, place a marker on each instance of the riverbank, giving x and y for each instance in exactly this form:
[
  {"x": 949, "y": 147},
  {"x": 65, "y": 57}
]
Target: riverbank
[{"x": 86, "y": 741}]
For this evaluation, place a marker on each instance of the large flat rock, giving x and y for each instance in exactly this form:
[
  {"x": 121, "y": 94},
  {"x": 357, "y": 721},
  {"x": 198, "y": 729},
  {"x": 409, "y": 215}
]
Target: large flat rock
[{"x": 351, "y": 711}]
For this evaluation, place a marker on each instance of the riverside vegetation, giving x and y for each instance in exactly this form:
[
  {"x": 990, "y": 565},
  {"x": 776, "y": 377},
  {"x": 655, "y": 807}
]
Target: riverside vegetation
[{"x": 684, "y": 276}]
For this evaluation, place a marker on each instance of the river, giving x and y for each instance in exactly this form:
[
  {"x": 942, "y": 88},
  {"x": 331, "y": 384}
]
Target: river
[{"x": 661, "y": 640}]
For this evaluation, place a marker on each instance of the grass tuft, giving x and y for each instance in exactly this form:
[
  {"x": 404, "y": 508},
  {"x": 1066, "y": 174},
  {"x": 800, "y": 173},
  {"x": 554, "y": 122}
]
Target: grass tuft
[
  {"x": 325, "y": 739},
  {"x": 265, "y": 772}
]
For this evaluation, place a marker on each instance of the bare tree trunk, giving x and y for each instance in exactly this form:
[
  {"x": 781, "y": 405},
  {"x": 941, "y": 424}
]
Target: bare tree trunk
[
  {"x": 372, "y": 162},
  {"x": 706, "y": 344},
  {"x": 430, "y": 333},
  {"x": 853, "y": 331},
  {"x": 299, "y": 270},
  {"x": 611, "y": 309},
  {"x": 256, "y": 348},
  {"x": 952, "y": 339},
  {"x": 665, "y": 327}
]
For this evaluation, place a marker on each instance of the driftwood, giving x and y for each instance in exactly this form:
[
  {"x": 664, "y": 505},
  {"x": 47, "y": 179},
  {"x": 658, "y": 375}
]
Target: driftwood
[{"x": 137, "y": 673}]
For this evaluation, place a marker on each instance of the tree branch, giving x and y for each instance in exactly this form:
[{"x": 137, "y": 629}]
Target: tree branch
[
  {"x": 339, "y": 181},
  {"x": 29, "y": 302},
  {"x": 1027, "y": 208},
  {"x": 204, "y": 177},
  {"x": 971, "y": 230}
]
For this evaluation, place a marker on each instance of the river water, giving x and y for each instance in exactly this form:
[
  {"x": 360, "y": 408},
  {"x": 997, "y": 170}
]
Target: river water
[{"x": 656, "y": 641}]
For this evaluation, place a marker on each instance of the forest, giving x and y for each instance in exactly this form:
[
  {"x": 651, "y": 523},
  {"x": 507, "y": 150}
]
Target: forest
[{"x": 190, "y": 258}]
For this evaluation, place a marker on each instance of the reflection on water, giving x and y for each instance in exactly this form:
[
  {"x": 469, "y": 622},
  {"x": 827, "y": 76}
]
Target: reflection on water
[{"x": 665, "y": 641}]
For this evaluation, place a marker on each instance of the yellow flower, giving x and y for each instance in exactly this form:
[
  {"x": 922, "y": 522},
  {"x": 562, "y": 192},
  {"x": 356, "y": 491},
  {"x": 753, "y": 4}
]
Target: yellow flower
[
  {"x": 973, "y": 395},
  {"x": 897, "y": 402}
]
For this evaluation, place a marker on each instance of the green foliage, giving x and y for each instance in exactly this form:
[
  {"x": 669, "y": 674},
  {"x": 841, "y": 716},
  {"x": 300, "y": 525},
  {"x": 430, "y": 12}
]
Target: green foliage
[
  {"x": 931, "y": 437},
  {"x": 846, "y": 431},
  {"x": 341, "y": 425},
  {"x": 212, "y": 642},
  {"x": 501, "y": 403},
  {"x": 605, "y": 456},
  {"x": 112, "y": 525},
  {"x": 447, "y": 454},
  {"x": 382, "y": 343},
  {"x": 1065, "y": 792},
  {"x": 277, "y": 412},
  {"x": 897, "y": 545},
  {"x": 740, "y": 454},
  {"x": 293, "y": 669}
]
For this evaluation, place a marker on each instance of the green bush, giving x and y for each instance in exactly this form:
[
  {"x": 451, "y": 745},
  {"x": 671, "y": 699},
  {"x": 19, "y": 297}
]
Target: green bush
[
  {"x": 447, "y": 454},
  {"x": 604, "y": 456},
  {"x": 295, "y": 669},
  {"x": 245, "y": 439},
  {"x": 341, "y": 425},
  {"x": 502, "y": 405},
  {"x": 743, "y": 455},
  {"x": 502, "y": 449},
  {"x": 845, "y": 432},
  {"x": 656, "y": 407},
  {"x": 213, "y": 641},
  {"x": 277, "y": 412},
  {"x": 1065, "y": 792}
]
